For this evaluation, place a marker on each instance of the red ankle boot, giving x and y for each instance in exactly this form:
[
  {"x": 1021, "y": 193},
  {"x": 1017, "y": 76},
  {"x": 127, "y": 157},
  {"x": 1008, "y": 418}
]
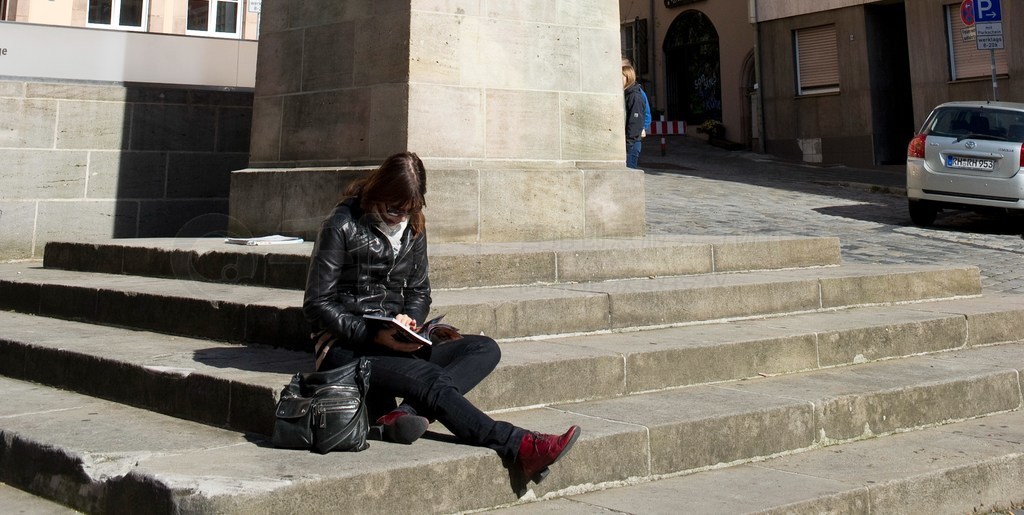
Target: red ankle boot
[
  {"x": 401, "y": 427},
  {"x": 538, "y": 451}
]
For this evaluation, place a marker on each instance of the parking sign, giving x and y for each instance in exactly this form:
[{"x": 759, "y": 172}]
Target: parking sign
[
  {"x": 989, "y": 36},
  {"x": 987, "y": 11}
]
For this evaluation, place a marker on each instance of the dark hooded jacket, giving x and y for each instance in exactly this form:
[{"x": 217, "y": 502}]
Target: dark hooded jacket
[{"x": 635, "y": 113}]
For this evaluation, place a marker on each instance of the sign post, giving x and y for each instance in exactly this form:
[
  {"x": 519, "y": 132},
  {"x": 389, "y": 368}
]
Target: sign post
[{"x": 988, "y": 20}]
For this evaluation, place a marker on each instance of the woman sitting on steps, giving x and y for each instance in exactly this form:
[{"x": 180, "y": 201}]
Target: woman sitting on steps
[{"x": 371, "y": 257}]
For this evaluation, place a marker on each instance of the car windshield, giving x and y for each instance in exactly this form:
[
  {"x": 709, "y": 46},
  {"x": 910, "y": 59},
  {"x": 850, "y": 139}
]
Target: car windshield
[{"x": 976, "y": 123}]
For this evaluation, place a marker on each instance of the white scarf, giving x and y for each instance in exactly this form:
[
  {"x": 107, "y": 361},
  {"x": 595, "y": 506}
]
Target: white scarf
[{"x": 394, "y": 233}]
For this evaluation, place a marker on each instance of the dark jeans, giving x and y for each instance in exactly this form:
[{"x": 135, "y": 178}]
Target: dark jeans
[
  {"x": 633, "y": 154},
  {"x": 434, "y": 388}
]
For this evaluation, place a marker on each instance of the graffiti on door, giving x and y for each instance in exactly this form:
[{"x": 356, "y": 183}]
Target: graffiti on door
[{"x": 705, "y": 94}]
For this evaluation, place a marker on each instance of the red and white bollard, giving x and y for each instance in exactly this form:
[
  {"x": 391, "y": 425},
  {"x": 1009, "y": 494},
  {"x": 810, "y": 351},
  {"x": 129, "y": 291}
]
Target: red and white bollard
[{"x": 662, "y": 127}]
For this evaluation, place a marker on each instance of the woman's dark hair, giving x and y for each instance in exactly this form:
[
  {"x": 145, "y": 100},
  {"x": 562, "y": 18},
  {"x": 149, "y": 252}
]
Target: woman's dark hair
[{"x": 399, "y": 184}]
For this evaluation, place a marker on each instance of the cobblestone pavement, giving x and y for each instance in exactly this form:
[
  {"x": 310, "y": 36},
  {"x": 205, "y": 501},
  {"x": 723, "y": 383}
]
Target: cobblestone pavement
[{"x": 700, "y": 189}]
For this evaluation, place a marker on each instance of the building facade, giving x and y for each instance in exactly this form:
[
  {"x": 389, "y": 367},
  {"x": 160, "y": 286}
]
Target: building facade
[
  {"x": 118, "y": 133},
  {"x": 836, "y": 81},
  {"x": 234, "y": 19},
  {"x": 850, "y": 81},
  {"x": 696, "y": 61}
]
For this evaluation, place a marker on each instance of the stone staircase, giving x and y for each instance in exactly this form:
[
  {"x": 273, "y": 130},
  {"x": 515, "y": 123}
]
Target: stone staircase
[{"x": 142, "y": 374}]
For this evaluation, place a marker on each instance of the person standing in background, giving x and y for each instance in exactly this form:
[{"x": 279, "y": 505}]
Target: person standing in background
[
  {"x": 635, "y": 115},
  {"x": 647, "y": 103}
]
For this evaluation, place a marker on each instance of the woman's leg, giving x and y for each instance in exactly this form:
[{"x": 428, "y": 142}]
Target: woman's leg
[
  {"x": 428, "y": 385},
  {"x": 467, "y": 360}
]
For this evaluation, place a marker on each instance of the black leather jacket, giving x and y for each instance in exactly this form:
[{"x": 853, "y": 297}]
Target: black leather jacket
[{"x": 354, "y": 271}]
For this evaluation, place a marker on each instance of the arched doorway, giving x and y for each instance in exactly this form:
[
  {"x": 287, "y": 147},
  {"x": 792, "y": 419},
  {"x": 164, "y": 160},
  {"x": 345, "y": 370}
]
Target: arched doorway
[{"x": 692, "y": 69}]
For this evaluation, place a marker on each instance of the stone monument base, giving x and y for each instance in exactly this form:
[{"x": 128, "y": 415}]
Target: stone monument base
[{"x": 466, "y": 202}]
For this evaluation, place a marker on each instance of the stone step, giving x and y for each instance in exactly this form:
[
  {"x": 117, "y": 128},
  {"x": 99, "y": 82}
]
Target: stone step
[
  {"x": 965, "y": 467},
  {"x": 273, "y": 316},
  {"x": 236, "y": 386},
  {"x": 453, "y": 265},
  {"x": 99, "y": 456},
  {"x": 15, "y": 501}
]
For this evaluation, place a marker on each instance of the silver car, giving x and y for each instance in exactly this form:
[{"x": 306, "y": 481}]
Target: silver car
[{"x": 967, "y": 155}]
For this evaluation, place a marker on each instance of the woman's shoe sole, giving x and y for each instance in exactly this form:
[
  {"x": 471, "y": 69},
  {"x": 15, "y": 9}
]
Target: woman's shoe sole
[
  {"x": 539, "y": 476},
  {"x": 405, "y": 430}
]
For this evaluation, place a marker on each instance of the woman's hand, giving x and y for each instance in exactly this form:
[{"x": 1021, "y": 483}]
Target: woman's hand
[
  {"x": 386, "y": 337},
  {"x": 406, "y": 320}
]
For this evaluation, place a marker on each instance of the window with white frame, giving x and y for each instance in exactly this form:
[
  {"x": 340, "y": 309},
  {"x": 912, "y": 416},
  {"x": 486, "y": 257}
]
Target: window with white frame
[
  {"x": 817, "y": 60},
  {"x": 118, "y": 14},
  {"x": 965, "y": 60},
  {"x": 221, "y": 18}
]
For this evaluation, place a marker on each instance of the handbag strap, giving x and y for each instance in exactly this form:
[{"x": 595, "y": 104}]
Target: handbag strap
[
  {"x": 363, "y": 376},
  {"x": 324, "y": 341}
]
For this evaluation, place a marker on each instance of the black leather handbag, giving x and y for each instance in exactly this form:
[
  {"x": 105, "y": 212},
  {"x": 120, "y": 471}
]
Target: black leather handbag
[{"x": 325, "y": 411}]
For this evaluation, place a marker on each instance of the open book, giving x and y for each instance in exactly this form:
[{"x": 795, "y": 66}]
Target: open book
[
  {"x": 275, "y": 239},
  {"x": 432, "y": 332}
]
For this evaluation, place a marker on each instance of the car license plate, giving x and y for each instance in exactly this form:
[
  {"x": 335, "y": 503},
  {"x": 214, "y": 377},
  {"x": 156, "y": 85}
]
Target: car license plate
[{"x": 971, "y": 163}]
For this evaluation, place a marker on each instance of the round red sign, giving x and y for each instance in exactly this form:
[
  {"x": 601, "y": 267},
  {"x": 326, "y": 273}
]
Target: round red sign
[{"x": 967, "y": 12}]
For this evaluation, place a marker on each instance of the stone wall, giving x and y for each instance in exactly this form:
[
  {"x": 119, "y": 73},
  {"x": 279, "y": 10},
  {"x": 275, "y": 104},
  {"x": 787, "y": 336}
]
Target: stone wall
[
  {"x": 87, "y": 161},
  {"x": 515, "y": 108}
]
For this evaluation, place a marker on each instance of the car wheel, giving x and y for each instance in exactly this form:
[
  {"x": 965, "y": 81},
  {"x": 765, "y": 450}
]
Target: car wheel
[{"x": 922, "y": 212}]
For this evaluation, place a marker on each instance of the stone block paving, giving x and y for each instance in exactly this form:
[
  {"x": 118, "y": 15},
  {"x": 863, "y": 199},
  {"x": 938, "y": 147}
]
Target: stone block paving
[{"x": 696, "y": 188}]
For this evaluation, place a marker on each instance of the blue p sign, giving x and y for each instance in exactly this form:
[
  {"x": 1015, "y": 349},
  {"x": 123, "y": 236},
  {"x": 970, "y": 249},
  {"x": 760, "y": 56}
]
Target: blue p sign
[{"x": 986, "y": 11}]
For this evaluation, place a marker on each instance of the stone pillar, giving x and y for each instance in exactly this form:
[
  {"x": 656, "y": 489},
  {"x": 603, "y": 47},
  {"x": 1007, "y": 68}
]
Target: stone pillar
[{"x": 515, "y": 107}]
